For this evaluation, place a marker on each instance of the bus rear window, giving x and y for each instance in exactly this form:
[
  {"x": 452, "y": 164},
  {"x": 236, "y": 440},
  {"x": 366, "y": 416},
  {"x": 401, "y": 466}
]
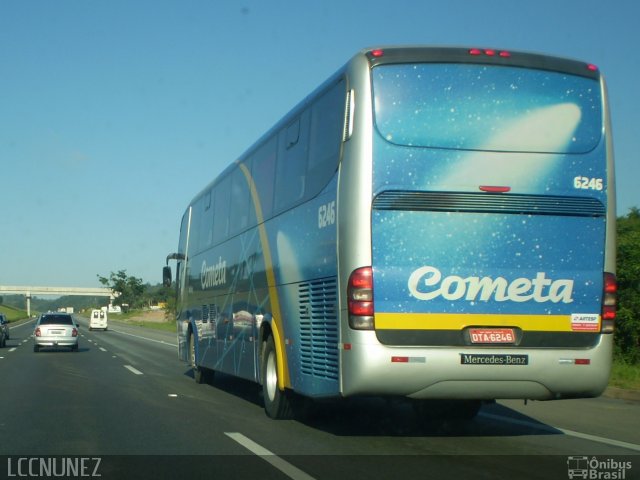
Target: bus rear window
[{"x": 487, "y": 107}]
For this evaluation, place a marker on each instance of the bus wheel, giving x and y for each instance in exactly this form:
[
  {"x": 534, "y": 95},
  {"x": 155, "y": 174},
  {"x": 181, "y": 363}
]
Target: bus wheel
[
  {"x": 277, "y": 404},
  {"x": 200, "y": 374}
]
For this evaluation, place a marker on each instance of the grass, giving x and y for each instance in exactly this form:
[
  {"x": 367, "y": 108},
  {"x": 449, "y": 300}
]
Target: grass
[
  {"x": 12, "y": 313},
  {"x": 164, "y": 326},
  {"x": 129, "y": 319},
  {"x": 625, "y": 376}
]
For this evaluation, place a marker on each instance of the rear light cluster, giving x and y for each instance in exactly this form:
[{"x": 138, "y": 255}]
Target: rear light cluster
[
  {"x": 360, "y": 299},
  {"x": 609, "y": 302},
  {"x": 38, "y": 332}
]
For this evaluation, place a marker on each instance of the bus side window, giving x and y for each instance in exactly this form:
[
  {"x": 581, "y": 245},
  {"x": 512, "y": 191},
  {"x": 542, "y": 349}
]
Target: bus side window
[
  {"x": 263, "y": 173},
  {"x": 327, "y": 126},
  {"x": 292, "y": 162},
  {"x": 221, "y": 210},
  {"x": 205, "y": 222},
  {"x": 239, "y": 206}
]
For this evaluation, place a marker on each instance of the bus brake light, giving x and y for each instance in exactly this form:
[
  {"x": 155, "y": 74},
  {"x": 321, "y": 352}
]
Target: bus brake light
[
  {"x": 609, "y": 302},
  {"x": 489, "y": 52},
  {"x": 360, "y": 299}
]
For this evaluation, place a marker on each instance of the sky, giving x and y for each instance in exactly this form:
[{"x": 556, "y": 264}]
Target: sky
[{"x": 114, "y": 114}]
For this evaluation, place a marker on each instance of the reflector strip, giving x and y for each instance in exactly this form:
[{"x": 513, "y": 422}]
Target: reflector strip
[
  {"x": 494, "y": 189},
  {"x": 583, "y": 361},
  {"x": 459, "y": 321},
  {"x": 408, "y": 360}
]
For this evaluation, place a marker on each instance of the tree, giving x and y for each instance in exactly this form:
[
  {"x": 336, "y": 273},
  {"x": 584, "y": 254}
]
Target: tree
[
  {"x": 628, "y": 276},
  {"x": 130, "y": 289}
]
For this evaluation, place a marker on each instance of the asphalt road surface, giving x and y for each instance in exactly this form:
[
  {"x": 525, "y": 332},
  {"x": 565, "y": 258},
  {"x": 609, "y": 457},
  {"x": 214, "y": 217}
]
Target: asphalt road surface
[{"x": 124, "y": 406}]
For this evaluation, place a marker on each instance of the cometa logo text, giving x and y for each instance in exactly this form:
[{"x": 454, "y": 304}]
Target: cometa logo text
[
  {"x": 213, "y": 275},
  {"x": 426, "y": 283}
]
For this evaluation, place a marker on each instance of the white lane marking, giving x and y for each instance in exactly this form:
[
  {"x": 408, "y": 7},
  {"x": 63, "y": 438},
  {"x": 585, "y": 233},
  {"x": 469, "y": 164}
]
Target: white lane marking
[
  {"x": 13, "y": 349},
  {"x": 145, "y": 338},
  {"x": 270, "y": 457},
  {"x": 608, "y": 441},
  {"x": 547, "y": 428},
  {"x": 134, "y": 370},
  {"x": 103, "y": 349}
]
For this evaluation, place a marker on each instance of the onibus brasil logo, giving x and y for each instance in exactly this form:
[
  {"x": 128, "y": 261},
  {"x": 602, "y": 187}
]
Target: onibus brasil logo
[{"x": 597, "y": 469}]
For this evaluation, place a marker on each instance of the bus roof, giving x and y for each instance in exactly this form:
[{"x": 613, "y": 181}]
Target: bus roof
[{"x": 422, "y": 54}]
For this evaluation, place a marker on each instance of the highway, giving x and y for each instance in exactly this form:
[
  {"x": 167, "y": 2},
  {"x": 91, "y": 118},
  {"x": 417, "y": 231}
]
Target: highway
[{"x": 126, "y": 403}]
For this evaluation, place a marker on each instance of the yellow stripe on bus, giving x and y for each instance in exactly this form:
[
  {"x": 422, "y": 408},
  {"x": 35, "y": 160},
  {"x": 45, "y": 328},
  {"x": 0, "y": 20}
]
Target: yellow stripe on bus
[
  {"x": 284, "y": 380},
  {"x": 459, "y": 321}
]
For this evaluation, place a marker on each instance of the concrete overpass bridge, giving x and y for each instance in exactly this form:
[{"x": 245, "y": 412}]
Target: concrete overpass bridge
[{"x": 83, "y": 291}]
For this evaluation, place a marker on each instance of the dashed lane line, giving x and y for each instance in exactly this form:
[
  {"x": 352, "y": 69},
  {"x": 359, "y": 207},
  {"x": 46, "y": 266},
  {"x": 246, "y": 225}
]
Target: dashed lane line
[
  {"x": 133, "y": 370},
  {"x": 285, "y": 467}
]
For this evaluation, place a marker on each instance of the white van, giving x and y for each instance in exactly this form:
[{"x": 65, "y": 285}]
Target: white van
[{"x": 98, "y": 319}]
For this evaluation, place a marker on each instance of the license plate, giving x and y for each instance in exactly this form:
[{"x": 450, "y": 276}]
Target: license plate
[
  {"x": 492, "y": 335},
  {"x": 55, "y": 332}
]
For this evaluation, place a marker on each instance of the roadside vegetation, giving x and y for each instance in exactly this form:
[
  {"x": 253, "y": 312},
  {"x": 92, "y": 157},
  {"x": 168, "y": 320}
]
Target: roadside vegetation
[
  {"x": 625, "y": 376},
  {"x": 626, "y": 371},
  {"x": 141, "y": 318},
  {"x": 12, "y": 313}
]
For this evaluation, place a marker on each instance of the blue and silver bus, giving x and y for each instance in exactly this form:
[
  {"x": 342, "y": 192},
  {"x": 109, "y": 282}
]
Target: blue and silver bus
[{"x": 429, "y": 223}]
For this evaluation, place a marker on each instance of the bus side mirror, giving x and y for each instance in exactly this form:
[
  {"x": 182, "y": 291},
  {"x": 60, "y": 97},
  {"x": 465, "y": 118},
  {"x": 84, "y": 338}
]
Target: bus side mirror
[{"x": 166, "y": 276}]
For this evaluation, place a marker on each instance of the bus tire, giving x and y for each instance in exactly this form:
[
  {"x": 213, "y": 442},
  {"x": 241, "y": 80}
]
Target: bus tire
[
  {"x": 277, "y": 403},
  {"x": 199, "y": 374}
]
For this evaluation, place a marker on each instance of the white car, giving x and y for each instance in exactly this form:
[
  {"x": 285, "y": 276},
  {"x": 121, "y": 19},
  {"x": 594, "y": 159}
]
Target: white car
[
  {"x": 55, "y": 330},
  {"x": 98, "y": 319}
]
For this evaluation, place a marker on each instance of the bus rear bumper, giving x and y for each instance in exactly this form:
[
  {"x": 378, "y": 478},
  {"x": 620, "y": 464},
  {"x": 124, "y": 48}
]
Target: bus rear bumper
[{"x": 370, "y": 368}]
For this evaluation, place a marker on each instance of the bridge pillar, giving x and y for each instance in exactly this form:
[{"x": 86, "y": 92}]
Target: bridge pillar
[{"x": 29, "y": 304}]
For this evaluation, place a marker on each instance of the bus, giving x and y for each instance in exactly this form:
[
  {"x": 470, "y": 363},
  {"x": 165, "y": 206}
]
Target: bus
[{"x": 430, "y": 223}]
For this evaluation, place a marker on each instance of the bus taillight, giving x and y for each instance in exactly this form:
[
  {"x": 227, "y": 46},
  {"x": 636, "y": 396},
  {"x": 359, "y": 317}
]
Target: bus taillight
[
  {"x": 489, "y": 52},
  {"x": 360, "y": 298},
  {"x": 609, "y": 302}
]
